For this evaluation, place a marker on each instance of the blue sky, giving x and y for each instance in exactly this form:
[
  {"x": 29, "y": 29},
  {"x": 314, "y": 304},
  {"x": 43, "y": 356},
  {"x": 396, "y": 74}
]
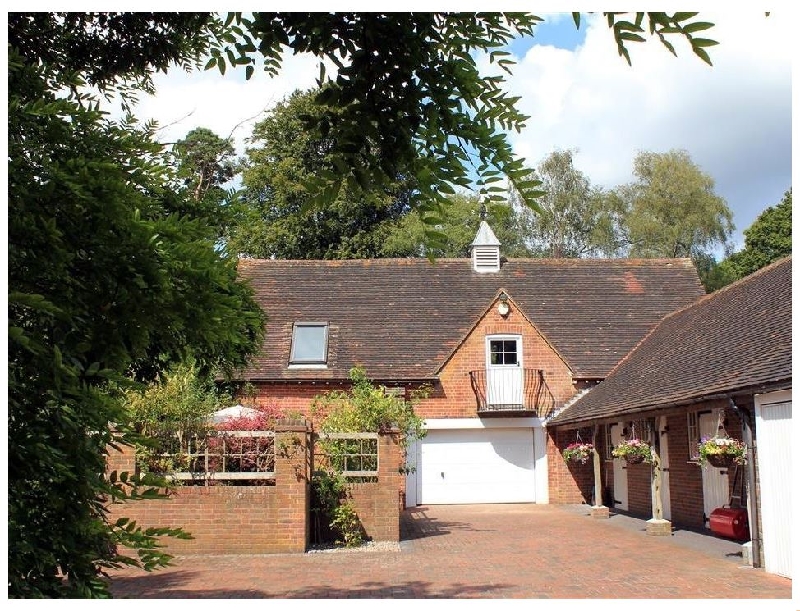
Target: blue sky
[{"x": 734, "y": 119}]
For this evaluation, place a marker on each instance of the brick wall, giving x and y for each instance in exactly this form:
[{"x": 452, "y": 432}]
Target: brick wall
[
  {"x": 640, "y": 496},
  {"x": 685, "y": 477},
  {"x": 378, "y": 503},
  {"x": 455, "y": 397},
  {"x": 233, "y": 519},
  {"x": 294, "y": 399},
  {"x": 568, "y": 482},
  {"x": 264, "y": 519}
]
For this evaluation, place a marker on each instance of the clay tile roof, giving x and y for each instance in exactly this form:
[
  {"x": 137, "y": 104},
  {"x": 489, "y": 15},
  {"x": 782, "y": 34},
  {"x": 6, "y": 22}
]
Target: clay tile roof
[
  {"x": 401, "y": 318},
  {"x": 737, "y": 339}
]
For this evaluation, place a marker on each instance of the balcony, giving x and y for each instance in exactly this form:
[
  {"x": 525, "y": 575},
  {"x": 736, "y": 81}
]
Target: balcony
[{"x": 512, "y": 392}]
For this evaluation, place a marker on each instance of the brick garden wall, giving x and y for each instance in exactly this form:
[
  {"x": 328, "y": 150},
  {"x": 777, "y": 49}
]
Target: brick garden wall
[
  {"x": 378, "y": 504},
  {"x": 264, "y": 519}
]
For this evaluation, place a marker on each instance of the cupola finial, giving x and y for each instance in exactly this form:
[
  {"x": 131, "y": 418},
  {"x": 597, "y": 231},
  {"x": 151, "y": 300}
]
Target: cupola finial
[{"x": 485, "y": 250}]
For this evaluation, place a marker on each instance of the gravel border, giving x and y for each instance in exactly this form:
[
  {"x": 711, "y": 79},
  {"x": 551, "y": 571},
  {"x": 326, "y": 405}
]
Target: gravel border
[{"x": 369, "y": 546}]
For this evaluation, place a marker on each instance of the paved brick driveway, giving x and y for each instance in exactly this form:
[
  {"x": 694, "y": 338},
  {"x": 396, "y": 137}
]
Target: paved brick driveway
[{"x": 488, "y": 551}]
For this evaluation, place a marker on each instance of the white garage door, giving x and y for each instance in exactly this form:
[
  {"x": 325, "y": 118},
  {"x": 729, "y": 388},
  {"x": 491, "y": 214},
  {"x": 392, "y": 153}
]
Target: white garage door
[
  {"x": 775, "y": 443},
  {"x": 477, "y": 466}
]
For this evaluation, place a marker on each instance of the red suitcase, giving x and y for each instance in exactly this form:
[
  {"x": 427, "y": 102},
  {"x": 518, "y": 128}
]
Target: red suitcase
[{"x": 730, "y": 522}]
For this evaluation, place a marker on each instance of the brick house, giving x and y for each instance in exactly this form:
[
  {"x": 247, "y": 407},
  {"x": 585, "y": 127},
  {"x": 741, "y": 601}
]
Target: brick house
[
  {"x": 721, "y": 363},
  {"x": 504, "y": 344}
]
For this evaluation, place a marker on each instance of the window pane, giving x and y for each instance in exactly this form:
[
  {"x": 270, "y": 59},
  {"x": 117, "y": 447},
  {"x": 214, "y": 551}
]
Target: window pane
[
  {"x": 503, "y": 352},
  {"x": 309, "y": 344},
  {"x": 510, "y": 348}
]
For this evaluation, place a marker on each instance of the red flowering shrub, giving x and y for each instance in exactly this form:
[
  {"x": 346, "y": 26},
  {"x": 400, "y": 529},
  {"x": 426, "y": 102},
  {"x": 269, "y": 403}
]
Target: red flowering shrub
[{"x": 232, "y": 452}]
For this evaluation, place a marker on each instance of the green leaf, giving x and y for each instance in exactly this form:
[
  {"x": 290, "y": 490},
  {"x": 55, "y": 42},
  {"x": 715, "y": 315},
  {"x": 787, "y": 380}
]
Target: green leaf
[
  {"x": 697, "y": 26},
  {"x": 703, "y": 42}
]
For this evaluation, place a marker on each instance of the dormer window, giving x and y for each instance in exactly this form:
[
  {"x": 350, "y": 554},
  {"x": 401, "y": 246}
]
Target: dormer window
[{"x": 309, "y": 344}]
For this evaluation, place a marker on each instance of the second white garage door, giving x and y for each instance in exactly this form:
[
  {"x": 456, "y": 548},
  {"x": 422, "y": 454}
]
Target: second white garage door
[{"x": 477, "y": 466}]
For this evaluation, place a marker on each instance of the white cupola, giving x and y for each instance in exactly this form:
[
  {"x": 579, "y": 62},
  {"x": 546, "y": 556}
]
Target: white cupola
[{"x": 485, "y": 250}]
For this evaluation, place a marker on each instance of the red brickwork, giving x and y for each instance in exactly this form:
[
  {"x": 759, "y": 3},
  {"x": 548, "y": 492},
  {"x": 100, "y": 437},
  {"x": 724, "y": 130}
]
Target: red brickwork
[
  {"x": 378, "y": 503},
  {"x": 640, "y": 496},
  {"x": 456, "y": 399},
  {"x": 265, "y": 519},
  {"x": 685, "y": 477},
  {"x": 233, "y": 519},
  {"x": 568, "y": 483},
  {"x": 294, "y": 400}
]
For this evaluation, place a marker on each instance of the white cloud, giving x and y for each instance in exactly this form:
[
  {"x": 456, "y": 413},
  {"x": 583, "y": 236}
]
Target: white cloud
[
  {"x": 734, "y": 118},
  {"x": 227, "y": 105}
]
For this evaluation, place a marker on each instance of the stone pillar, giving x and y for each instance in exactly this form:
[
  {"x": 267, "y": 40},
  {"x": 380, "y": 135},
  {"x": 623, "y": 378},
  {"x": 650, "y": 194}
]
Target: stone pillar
[{"x": 292, "y": 483}]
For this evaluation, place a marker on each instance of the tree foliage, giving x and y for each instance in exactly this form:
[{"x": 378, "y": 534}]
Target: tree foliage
[
  {"x": 367, "y": 408},
  {"x": 768, "y": 239},
  {"x": 170, "y": 411},
  {"x": 106, "y": 282},
  {"x": 418, "y": 107},
  {"x": 204, "y": 164},
  {"x": 455, "y": 230},
  {"x": 671, "y": 209},
  {"x": 273, "y": 212},
  {"x": 574, "y": 219}
]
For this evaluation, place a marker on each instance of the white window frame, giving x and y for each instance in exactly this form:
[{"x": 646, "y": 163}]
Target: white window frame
[
  {"x": 504, "y": 337},
  {"x": 609, "y": 445},
  {"x": 309, "y": 363},
  {"x": 642, "y": 429},
  {"x": 693, "y": 434}
]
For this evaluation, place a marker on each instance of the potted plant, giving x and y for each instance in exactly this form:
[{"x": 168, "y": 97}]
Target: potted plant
[
  {"x": 634, "y": 451},
  {"x": 578, "y": 452},
  {"x": 721, "y": 451}
]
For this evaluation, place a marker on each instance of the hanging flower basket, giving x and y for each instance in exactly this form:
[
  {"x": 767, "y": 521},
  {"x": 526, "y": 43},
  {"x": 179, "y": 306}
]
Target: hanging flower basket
[
  {"x": 578, "y": 452},
  {"x": 724, "y": 461},
  {"x": 633, "y": 451},
  {"x": 721, "y": 452},
  {"x": 634, "y": 459}
]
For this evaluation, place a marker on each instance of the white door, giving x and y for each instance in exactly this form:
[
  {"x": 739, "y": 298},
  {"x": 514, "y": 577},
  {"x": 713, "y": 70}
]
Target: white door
[
  {"x": 492, "y": 465},
  {"x": 412, "y": 462},
  {"x": 504, "y": 370},
  {"x": 620, "y": 472},
  {"x": 774, "y": 434},
  {"x": 663, "y": 432},
  {"x": 715, "y": 479}
]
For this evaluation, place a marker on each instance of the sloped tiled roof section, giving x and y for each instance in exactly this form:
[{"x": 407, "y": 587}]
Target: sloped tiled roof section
[
  {"x": 401, "y": 318},
  {"x": 737, "y": 338}
]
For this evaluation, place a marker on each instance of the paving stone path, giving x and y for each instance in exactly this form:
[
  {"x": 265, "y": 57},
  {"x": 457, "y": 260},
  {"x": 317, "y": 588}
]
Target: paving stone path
[{"x": 485, "y": 551}]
